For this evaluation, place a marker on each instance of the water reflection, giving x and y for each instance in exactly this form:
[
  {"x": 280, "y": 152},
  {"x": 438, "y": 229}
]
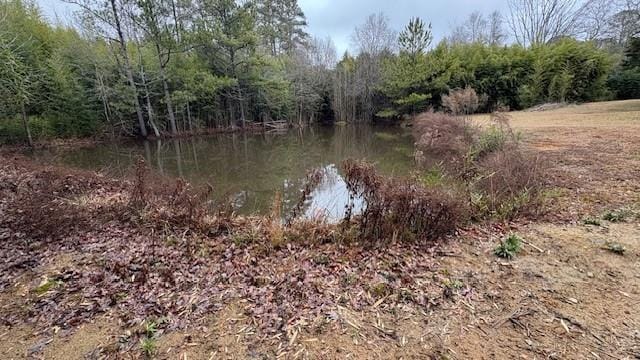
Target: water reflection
[{"x": 252, "y": 168}]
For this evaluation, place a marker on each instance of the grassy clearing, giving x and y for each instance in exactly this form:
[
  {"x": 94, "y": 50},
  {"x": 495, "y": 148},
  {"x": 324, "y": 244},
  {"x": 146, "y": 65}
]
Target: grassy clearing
[{"x": 612, "y": 114}]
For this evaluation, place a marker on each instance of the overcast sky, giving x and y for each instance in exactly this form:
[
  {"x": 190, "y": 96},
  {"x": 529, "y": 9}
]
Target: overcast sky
[{"x": 337, "y": 18}]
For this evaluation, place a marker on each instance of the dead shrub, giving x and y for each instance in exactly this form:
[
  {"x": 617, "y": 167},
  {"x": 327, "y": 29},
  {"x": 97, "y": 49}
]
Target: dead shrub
[
  {"x": 401, "y": 209},
  {"x": 138, "y": 196},
  {"x": 443, "y": 141},
  {"x": 509, "y": 179},
  {"x": 189, "y": 206},
  {"x": 501, "y": 178},
  {"x": 510, "y": 183},
  {"x": 313, "y": 179},
  {"x": 461, "y": 101},
  {"x": 158, "y": 204}
]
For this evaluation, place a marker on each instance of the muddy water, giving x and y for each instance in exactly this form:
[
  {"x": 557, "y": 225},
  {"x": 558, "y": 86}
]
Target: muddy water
[{"x": 251, "y": 168}]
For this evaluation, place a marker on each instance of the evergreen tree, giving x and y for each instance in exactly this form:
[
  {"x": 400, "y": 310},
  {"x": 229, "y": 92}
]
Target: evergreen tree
[{"x": 415, "y": 38}]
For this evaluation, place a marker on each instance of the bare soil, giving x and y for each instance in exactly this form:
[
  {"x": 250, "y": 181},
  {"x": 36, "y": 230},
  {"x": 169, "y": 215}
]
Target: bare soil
[{"x": 564, "y": 296}]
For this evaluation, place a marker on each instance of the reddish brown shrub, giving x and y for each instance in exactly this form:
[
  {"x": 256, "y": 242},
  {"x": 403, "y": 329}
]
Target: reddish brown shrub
[
  {"x": 442, "y": 141},
  {"x": 159, "y": 206},
  {"x": 401, "y": 209}
]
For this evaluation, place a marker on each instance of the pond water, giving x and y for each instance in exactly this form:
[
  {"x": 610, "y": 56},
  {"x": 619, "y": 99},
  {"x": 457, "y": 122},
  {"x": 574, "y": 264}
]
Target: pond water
[{"x": 251, "y": 168}]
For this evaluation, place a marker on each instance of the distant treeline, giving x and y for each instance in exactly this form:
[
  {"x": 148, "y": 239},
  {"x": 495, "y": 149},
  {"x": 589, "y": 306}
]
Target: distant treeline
[{"x": 166, "y": 67}]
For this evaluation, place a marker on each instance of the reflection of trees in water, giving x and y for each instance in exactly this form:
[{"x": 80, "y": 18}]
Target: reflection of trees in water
[
  {"x": 331, "y": 197},
  {"x": 252, "y": 168}
]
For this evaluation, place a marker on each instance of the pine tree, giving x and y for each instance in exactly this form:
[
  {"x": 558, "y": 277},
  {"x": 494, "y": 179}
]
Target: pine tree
[{"x": 415, "y": 38}]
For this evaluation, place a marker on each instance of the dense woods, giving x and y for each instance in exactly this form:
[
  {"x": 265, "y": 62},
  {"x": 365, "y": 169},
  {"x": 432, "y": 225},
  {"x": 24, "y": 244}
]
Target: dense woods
[{"x": 165, "y": 67}]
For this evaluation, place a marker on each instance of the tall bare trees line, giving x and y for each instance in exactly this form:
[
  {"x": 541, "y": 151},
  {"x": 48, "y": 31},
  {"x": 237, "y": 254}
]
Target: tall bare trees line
[{"x": 535, "y": 22}]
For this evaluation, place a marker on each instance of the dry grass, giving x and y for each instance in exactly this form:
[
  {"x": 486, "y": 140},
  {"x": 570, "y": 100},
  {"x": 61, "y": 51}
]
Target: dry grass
[{"x": 611, "y": 114}]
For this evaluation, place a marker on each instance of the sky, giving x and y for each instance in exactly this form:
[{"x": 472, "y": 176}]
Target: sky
[{"x": 338, "y": 18}]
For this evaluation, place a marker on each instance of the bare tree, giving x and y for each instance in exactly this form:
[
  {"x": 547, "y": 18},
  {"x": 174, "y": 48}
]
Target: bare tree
[
  {"x": 373, "y": 39},
  {"x": 323, "y": 53},
  {"x": 375, "y": 36},
  {"x": 540, "y": 21},
  {"x": 109, "y": 14},
  {"x": 472, "y": 30},
  {"x": 496, "y": 34},
  {"x": 479, "y": 29},
  {"x": 594, "y": 18},
  {"x": 625, "y": 23},
  {"x": 608, "y": 21}
]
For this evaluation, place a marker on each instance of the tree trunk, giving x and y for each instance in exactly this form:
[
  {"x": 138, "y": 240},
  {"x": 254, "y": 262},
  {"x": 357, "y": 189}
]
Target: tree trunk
[
  {"x": 129, "y": 72},
  {"x": 242, "y": 114},
  {"x": 167, "y": 97},
  {"x": 150, "y": 112},
  {"x": 189, "y": 118},
  {"x": 148, "y": 98},
  {"x": 25, "y": 122}
]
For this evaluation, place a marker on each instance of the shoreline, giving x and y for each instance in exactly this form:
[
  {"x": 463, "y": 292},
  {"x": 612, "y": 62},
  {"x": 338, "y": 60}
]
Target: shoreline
[{"x": 89, "y": 270}]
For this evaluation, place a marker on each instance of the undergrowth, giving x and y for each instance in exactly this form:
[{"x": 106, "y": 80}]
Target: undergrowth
[
  {"x": 401, "y": 209},
  {"x": 498, "y": 176}
]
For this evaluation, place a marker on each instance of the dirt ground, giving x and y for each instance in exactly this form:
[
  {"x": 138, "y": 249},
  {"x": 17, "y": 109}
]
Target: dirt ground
[{"x": 566, "y": 295}]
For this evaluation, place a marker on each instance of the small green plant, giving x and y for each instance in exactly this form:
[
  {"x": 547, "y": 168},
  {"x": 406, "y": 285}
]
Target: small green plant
[
  {"x": 433, "y": 177},
  {"x": 46, "y": 285},
  {"x": 454, "y": 284},
  {"x": 150, "y": 328},
  {"x": 592, "y": 221},
  {"x": 349, "y": 279},
  {"x": 615, "y": 248},
  {"x": 245, "y": 238},
  {"x": 381, "y": 289},
  {"x": 148, "y": 346},
  {"x": 492, "y": 139},
  {"x": 171, "y": 240},
  {"x": 509, "y": 247},
  {"x": 321, "y": 259},
  {"x": 616, "y": 216},
  {"x": 510, "y": 207},
  {"x": 148, "y": 342}
]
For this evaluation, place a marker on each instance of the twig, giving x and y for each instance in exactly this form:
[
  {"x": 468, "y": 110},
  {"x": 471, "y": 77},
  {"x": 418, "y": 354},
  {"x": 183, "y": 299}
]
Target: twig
[{"x": 533, "y": 246}]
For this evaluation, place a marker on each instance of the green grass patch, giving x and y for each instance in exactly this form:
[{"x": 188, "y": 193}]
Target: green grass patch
[
  {"x": 432, "y": 177},
  {"x": 592, "y": 221},
  {"x": 509, "y": 247},
  {"x": 617, "y": 215},
  {"x": 148, "y": 346},
  {"x": 615, "y": 248},
  {"x": 46, "y": 285}
]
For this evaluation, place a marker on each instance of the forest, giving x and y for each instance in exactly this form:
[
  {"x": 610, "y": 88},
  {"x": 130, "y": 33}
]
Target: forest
[{"x": 155, "y": 68}]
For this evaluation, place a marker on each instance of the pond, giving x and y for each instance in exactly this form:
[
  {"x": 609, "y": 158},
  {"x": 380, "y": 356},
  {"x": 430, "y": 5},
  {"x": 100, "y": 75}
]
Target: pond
[{"x": 250, "y": 169}]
